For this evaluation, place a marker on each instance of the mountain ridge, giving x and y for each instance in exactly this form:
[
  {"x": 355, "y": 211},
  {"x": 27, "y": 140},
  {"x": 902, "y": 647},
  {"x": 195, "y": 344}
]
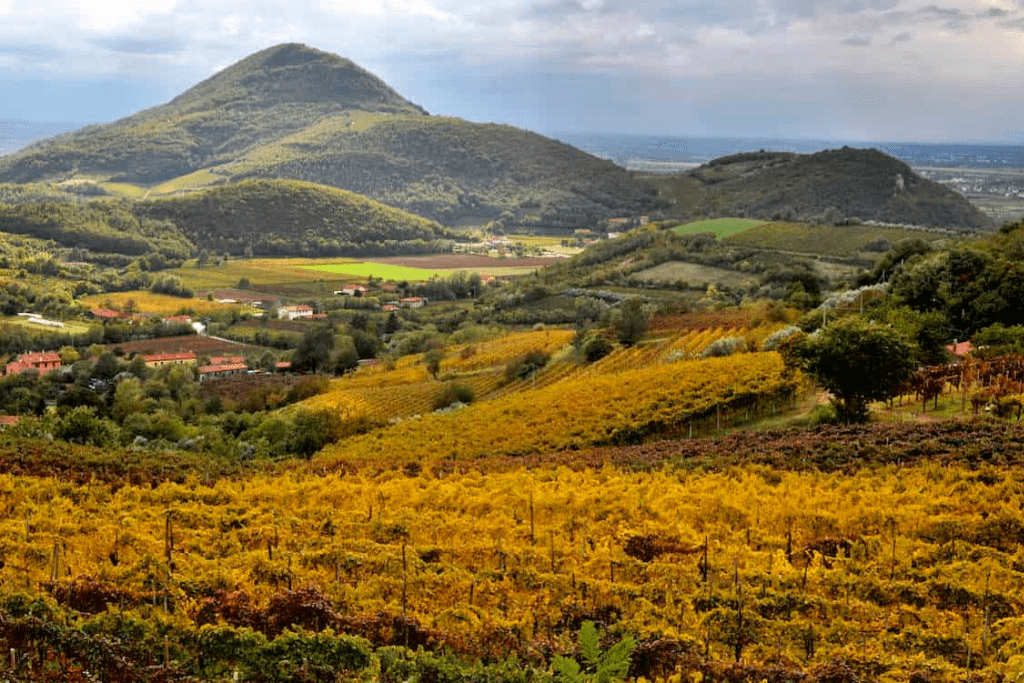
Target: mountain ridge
[
  {"x": 830, "y": 186},
  {"x": 291, "y": 111}
]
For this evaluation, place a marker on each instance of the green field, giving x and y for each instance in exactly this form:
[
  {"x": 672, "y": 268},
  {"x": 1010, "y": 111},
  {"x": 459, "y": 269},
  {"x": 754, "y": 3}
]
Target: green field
[
  {"x": 721, "y": 227},
  {"x": 69, "y": 327},
  {"x": 826, "y": 240},
  {"x": 694, "y": 274},
  {"x": 258, "y": 271},
  {"x": 190, "y": 181},
  {"x": 383, "y": 270}
]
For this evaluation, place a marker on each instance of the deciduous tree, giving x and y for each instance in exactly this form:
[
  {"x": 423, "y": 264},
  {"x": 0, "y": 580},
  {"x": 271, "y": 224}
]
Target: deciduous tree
[{"x": 856, "y": 361}]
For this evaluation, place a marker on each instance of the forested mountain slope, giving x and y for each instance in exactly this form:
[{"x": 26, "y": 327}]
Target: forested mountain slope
[
  {"x": 294, "y": 112},
  {"x": 831, "y": 186}
]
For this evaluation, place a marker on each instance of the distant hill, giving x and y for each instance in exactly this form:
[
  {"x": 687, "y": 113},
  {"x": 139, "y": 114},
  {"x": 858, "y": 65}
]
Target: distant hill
[
  {"x": 829, "y": 186},
  {"x": 287, "y": 217},
  {"x": 295, "y": 112},
  {"x": 270, "y": 217}
]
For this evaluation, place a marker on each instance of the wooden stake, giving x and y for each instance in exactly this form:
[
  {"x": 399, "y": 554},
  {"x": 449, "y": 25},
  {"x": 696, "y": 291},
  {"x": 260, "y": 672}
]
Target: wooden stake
[
  {"x": 168, "y": 538},
  {"x": 531, "y": 519}
]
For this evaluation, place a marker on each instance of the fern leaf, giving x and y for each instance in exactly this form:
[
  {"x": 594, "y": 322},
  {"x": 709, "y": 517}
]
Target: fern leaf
[
  {"x": 567, "y": 670},
  {"x": 589, "y": 645}
]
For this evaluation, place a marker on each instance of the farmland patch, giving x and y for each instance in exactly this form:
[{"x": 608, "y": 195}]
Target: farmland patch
[
  {"x": 694, "y": 274},
  {"x": 721, "y": 227}
]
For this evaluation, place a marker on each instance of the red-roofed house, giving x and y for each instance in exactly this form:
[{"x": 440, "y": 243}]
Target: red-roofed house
[
  {"x": 226, "y": 360},
  {"x": 157, "y": 360},
  {"x": 283, "y": 366},
  {"x": 960, "y": 349},
  {"x": 186, "y": 319},
  {"x": 293, "y": 312},
  {"x": 222, "y": 370},
  {"x": 413, "y": 302},
  {"x": 107, "y": 314},
  {"x": 43, "y": 362},
  {"x": 352, "y": 290}
]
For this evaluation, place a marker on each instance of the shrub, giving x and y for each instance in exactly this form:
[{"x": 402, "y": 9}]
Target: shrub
[
  {"x": 726, "y": 346},
  {"x": 523, "y": 366},
  {"x": 452, "y": 394},
  {"x": 775, "y": 338},
  {"x": 596, "y": 348}
]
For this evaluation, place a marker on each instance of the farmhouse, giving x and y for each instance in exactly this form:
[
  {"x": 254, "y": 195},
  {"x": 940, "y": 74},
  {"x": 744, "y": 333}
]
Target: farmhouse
[
  {"x": 413, "y": 302},
  {"x": 157, "y": 360},
  {"x": 293, "y": 312},
  {"x": 226, "y": 360},
  {"x": 43, "y": 362},
  {"x": 222, "y": 370},
  {"x": 960, "y": 349},
  {"x": 107, "y": 314},
  {"x": 352, "y": 290}
]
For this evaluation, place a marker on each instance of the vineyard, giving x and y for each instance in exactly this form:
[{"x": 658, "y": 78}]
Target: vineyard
[
  {"x": 405, "y": 388},
  {"x": 744, "y": 573}
]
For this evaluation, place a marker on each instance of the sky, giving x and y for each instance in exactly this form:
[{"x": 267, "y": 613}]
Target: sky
[{"x": 856, "y": 70}]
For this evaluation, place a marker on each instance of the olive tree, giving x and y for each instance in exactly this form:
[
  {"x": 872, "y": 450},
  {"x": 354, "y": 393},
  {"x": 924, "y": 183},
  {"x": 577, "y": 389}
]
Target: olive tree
[{"x": 856, "y": 361}]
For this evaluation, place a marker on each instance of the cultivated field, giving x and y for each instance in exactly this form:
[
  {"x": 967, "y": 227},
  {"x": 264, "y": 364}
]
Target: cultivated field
[
  {"x": 416, "y": 268},
  {"x": 840, "y": 241},
  {"x": 258, "y": 271},
  {"x": 721, "y": 227},
  {"x": 198, "y": 344},
  {"x": 694, "y": 274},
  {"x": 157, "y": 304}
]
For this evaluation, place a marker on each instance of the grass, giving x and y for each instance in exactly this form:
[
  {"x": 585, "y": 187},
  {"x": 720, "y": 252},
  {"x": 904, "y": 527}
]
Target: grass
[
  {"x": 190, "y": 181},
  {"x": 124, "y": 189},
  {"x": 825, "y": 240},
  {"x": 694, "y": 274},
  {"x": 382, "y": 270},
  {"x": 258, "y": 271},
  {"x": 69, "y": 326},
  {"x": 721, "y": 227},
  {"x": 157, "y": 304}
]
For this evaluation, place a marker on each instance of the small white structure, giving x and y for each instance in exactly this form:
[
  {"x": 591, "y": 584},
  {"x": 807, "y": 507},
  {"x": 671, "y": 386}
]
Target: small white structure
[{"x": 293, "y": 312}]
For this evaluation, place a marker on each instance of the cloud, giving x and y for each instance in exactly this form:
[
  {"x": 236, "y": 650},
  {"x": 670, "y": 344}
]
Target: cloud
[
  {"x": 143, "y": 45},
  {"x": 443, "y": 53}
]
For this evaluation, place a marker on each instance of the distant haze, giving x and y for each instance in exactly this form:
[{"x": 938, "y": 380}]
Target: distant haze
[{"x": 858, "y": 70}]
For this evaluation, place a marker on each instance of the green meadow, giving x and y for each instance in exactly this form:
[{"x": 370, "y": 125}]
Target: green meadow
[
  {"x": 383, "y": 270},
  {"x": 721, "y": 227}
]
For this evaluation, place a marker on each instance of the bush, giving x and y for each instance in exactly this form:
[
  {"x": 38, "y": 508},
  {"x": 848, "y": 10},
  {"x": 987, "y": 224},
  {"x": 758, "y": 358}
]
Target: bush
[
  {"x": 596, "y": 348},
  {"x": 523, "y": 366},
  {"x": 726, "y": 346},
  {"x": 452, "y": 394},
  {"x": 775, "y": 338}
]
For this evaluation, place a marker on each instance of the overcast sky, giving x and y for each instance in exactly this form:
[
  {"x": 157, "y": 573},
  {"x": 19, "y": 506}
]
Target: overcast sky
[{"x": 857, "y": 70}]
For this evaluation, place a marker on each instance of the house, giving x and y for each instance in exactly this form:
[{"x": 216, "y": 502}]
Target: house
[
  {"x": 222, "y": 370},
  {"x": 413, "y": 302},
  {"x": 352, "y": 290},
  {"x": 960, "y": 349},
  {"x": 389, "y": 307},
  {"x": 283, "y": 366},
  {"x": 157, "y": 360},
  {"x": 293, "y": 312},
  {"x": 179, "y": 319},
  {"x": 107, "y": 314},
  {"x": 43, "y": 362},
  {"x": 225, "y": 359}
]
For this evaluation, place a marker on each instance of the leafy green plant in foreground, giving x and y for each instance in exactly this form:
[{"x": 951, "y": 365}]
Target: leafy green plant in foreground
[{"x": 598, "y": 667}]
